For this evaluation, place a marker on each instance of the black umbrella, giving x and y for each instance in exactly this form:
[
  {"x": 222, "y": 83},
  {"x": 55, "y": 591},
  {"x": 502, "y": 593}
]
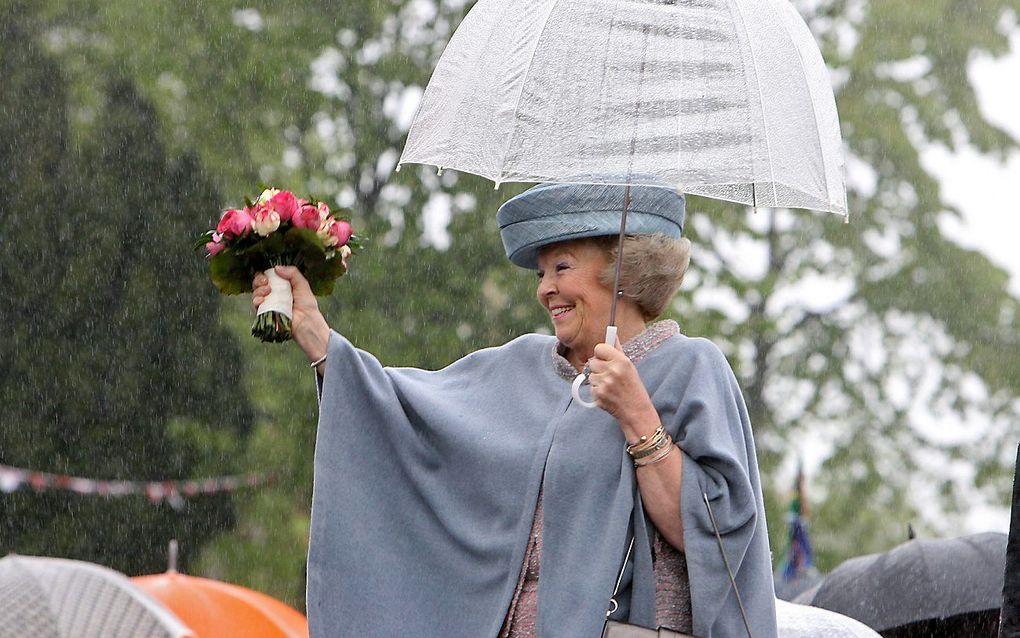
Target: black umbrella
[
  {"x": 973, "y": 625},
  {"x": 919, "y": 581},
  {"x": 1011, "y": 590}
]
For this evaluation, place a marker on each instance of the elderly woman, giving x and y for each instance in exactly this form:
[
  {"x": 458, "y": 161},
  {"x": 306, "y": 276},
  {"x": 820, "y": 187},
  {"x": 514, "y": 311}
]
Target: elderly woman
[{"x": 482, "y": 500}]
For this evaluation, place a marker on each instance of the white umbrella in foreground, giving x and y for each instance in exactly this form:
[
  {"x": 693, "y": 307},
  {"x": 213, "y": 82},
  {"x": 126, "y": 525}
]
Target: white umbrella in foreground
[
  {"x": 59, "y": 598},
  {"x": 801, "y": 621}
]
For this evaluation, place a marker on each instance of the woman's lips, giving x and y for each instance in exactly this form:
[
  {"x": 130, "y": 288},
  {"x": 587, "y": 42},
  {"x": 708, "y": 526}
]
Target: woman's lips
[{"x": 560, "y": 312}]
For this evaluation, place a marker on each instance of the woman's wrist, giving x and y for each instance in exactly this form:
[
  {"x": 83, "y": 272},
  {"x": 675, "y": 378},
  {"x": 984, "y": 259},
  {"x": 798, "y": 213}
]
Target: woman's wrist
[
  {"x": 314, "y": 339},
  {"x": 641, "y": 424}
]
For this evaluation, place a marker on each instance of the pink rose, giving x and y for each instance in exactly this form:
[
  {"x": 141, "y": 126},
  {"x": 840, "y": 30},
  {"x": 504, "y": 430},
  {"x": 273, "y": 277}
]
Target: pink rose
[
  {"x": 285, "y": 204},
  {"x": 307, "y": 217},
  {"x": 341, "y": 232},
  {"x": 235, "y": 223},
  {"x": 214, "y": 248}
]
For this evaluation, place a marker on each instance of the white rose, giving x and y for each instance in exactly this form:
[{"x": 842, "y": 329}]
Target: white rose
[
  {"x": 323, "y": 232},
  {"x": 267, "y": 195},
  {"x": 266, "y": 222}
]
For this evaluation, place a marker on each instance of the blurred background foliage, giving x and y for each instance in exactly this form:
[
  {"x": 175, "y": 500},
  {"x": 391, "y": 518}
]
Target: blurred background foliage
[{"x": 127, "y": 127}]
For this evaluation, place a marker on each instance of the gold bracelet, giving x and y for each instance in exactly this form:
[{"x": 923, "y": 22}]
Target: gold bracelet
[
  {"x": 647, "y": 442},
  {"x": 655, "y": 459},
  {"x": 644, "y": 439},
  {"x": 648, "y": 445},
  {"x": 663, "y": 441}
]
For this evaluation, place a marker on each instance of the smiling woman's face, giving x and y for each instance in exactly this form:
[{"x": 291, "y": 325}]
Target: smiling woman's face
[{"x": 570, "y": 290}]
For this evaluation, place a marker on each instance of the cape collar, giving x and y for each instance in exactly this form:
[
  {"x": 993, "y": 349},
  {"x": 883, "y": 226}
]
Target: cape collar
[{"x": 635, "y": 348}]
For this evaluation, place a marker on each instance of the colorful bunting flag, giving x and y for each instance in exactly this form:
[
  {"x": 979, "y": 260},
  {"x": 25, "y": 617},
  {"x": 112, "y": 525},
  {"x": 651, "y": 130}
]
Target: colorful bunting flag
[{"x": 13, "y": 479}]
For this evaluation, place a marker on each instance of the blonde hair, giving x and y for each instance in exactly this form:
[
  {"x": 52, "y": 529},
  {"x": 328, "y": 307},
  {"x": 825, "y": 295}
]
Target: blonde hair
[{"x": 653, "y": 269}]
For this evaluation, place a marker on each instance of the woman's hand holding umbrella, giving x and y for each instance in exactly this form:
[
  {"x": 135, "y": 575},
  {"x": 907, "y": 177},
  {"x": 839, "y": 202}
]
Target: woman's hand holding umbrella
[
  {"x": 309, "y": 327},
  {"x": 617, "y": 389}
]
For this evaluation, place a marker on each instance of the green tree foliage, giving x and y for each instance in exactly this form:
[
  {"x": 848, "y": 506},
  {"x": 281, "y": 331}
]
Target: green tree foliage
[
  {"x": 113, "y": 364},
  {"x": 848, "y": 339},
  {"x": 882, "y": 343}
]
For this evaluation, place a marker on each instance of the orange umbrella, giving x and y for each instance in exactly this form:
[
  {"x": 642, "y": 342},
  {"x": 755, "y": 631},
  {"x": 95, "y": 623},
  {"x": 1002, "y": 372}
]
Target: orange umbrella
[{"x": 214, "y": 609}]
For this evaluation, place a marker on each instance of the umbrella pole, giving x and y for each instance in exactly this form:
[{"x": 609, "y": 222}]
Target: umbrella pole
[
  {"x": 619, "y": 258},
  {"x": 611, "y": 329}
]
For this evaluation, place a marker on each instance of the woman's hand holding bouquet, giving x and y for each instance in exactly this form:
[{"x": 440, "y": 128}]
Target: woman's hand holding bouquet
[
  {"x": 308, "y": 327},
  {"x": 278, "y": 229}
]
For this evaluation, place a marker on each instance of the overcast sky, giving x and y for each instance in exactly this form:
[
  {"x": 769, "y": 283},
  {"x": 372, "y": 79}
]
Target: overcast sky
[{"x": 986, "y": 189}]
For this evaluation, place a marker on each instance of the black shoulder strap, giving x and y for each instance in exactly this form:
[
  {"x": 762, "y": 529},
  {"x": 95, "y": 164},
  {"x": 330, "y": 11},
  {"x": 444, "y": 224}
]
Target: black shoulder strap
[{"x": 726, "y": 562}]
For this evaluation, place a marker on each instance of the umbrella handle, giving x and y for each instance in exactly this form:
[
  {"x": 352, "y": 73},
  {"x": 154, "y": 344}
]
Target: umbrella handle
[{"x": 581, "y": 379}]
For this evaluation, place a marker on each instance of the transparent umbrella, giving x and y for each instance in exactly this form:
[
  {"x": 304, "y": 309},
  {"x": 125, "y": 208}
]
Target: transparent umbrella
[
  {"x": 58, "y": 598},
  {"x": 728, "y": 99},
  {"x": 801, "y": 621}
]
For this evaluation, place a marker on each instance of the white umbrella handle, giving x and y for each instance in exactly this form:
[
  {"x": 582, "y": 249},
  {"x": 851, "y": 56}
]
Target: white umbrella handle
[{"x": 581, "y": 379}]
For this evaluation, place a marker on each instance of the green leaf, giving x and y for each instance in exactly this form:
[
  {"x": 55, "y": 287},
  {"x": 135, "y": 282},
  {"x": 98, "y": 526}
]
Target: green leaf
[
  {"x": 231, "y": 273},
  {"x": 310, "y": 255},
  {"x": 203, "y": 239},
  {"x": 322, "y": 274},
  {"x": 266, "y": 251},
  {"x": 304, "y": 243},
  {"x": 356, "y": 243}
]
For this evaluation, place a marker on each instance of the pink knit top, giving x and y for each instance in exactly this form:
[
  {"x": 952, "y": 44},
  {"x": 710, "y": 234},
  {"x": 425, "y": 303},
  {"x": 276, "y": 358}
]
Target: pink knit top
[{"x": 672, "y": 589}]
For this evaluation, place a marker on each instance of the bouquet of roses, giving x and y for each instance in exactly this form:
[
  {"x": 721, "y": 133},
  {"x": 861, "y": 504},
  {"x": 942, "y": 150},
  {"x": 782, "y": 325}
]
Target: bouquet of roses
[{"x": 278, "y": 229}]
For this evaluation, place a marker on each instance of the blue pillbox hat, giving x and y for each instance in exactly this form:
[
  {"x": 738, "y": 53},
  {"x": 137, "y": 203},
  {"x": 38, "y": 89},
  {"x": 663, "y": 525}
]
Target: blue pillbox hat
[{"x": 550, "y": 213}]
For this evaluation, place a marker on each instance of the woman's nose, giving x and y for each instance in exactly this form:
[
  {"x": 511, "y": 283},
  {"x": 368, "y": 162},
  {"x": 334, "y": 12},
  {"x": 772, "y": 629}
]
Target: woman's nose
[{"x": 546, "y": 287}]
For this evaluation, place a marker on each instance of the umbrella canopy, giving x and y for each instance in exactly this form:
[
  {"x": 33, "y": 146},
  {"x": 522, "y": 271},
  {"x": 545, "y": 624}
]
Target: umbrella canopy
[
  {"x": 215, "y": 609},
  {"x": 728, "y": 99},
  {"x": 1011, "y": 588},
  {"x": 919, "y": 580},
  {"x": 801, "y": 621},
  {"x": 978, "y": 624},
  {"x": 59, "y": 598}
]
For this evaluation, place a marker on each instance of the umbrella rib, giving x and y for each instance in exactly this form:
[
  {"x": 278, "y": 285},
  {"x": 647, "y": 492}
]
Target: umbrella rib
[
  {"x": 680, "y": 109},
  {"x": 626, "y": 194},
  {"x": 102, "y": 590},
  {"x": 602, "y": 78},
  {"x": 520, "y": 93},
  {"x": 47, "y": 600},
  {"x": 78, "y": 600},
  {"x": 814, "y": 113},
  {"x": 761, "y": 102}
]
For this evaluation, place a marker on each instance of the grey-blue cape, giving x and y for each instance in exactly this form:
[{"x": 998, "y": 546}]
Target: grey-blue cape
[{"x": 426, "y": 484}]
